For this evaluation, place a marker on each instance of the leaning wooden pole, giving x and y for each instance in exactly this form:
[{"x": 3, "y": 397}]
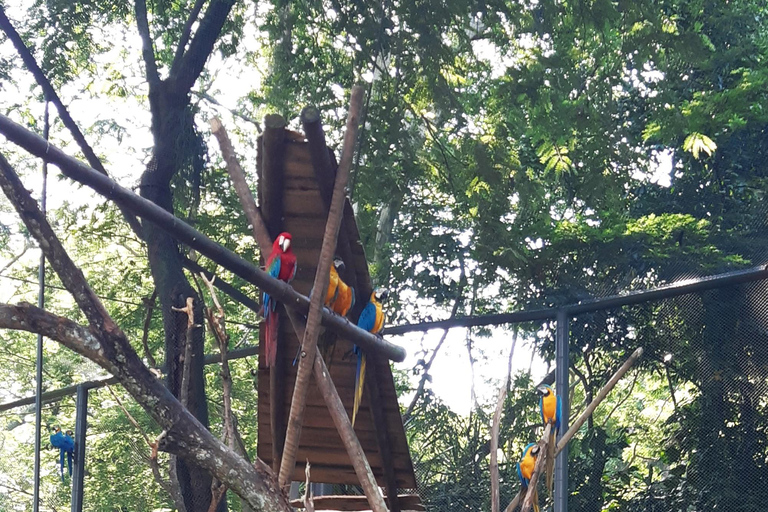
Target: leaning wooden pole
[
  {"x": 183, "y": 232},
  {"x": 601, "y": 395},
  {"x": 341, "y": 420},
  {"x": 537, "y": 468},
  {"x": 309, "y": 342}
]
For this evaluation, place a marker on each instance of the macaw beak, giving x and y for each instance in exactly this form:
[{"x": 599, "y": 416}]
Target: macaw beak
[
  {"x": 541, "y": 390},
  {"x": 286, "y": 244}
]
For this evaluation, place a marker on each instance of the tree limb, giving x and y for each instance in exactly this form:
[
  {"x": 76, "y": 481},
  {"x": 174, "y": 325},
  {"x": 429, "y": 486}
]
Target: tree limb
[
  {"x": 185, "y": 35},
  {"x": 150, "y": 305},
  {"x": 106, "y": 344},
  {"x": 147, "y": 48},
  {"x": 201, "y": 46}
]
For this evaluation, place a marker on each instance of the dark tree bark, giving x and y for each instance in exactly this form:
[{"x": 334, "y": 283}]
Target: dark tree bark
[{"x": 173, "y": 132}]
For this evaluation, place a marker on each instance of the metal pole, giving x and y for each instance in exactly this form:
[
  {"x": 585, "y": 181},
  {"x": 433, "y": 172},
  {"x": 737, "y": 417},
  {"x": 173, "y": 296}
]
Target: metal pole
[
  {"x": 81, "y": 424},
  {"x": 561, "y": 376},
  {"x": 39, "y": 357}
]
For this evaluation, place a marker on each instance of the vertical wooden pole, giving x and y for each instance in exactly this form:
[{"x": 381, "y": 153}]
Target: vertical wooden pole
[{"x": 309, "y": 342}]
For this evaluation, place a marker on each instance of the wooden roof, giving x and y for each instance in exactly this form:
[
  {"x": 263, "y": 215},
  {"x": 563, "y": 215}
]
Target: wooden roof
[{"x": 304, "y": 215}]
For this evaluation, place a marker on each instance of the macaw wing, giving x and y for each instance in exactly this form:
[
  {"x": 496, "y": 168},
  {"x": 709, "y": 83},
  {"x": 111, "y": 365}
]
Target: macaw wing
[
  {"x": 523, "y": 480},
  {"x": 559, "y": 413},
  {"x": 368, "y": 317},
  {"x": 273, "y": 269},
  {"x": 541, "y": 410}
]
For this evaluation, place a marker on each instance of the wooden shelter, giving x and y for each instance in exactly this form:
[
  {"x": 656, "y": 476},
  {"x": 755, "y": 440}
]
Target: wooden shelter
[{"x": 296, "y": 179}]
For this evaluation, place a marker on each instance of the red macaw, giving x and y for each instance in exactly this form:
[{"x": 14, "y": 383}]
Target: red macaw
[
  {"x": 280, "y": 265},
  {"x": 551, "y": 407},
  {"x": 525, "y": 471},
  {"x": 372, "y": 320}
]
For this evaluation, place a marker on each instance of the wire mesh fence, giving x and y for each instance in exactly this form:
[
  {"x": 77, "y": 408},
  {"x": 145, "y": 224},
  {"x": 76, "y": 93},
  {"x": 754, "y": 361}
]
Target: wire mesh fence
[{"x": 685, "y": 430}]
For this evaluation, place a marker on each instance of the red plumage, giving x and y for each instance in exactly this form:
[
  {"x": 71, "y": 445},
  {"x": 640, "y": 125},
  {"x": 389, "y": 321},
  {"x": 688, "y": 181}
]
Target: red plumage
[{"x": 281, "y": 265}]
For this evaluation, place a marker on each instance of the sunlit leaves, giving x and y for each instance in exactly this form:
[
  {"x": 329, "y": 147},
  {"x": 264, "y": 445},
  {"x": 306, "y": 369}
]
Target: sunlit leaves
[{"x": 698, "y": 143}]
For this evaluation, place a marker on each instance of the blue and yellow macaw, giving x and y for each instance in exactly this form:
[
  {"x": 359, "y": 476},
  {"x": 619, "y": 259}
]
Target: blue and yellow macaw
[
  {"x": 66, "y": 445},
  {"x": 525, "y": 471},
  {"x": 551, "y": 408},
  {"x": 372, "y": 320}
]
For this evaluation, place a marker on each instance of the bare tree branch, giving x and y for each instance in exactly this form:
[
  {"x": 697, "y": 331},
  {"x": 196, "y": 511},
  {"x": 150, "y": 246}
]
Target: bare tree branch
[
  {"x": 495, "y": 429},
  {"x": 193, "y": 61},
  {"x": 185, "y": 35},
  {"x": 105, "y": 344},
  {"x": 147, "y": 48},
  {"x": 309, "y": 341},
  {"x": 184, "y": 233}
]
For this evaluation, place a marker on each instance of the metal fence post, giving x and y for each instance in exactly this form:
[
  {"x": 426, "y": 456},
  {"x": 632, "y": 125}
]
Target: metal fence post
[
  {"x": 561, "y": 377},
  {"x": 78, "y": 472}
]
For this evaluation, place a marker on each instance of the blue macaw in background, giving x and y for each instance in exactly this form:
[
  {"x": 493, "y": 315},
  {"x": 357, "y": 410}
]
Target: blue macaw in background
[
  {"x": 66, "y": 445},
  {"x": 372, "y": 320},
  {"x": 551, "y": 408},
  {"x": 525, "y": 471}
]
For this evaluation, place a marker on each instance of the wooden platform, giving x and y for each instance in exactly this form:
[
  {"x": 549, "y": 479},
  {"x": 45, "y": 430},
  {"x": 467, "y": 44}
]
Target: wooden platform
[
  {"x": 408, "y": 502},
  {"x": 305, "y": 217}
]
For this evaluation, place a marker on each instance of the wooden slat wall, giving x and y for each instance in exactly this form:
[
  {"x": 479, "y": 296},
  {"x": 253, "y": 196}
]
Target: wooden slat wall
[{"x": 305, "y": 218}]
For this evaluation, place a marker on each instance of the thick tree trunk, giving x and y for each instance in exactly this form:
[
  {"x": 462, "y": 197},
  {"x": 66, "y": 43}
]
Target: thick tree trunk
[{"x": 172, "y": 124}]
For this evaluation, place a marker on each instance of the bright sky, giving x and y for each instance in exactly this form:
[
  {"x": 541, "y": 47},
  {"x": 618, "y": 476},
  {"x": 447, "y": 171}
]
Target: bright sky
[{"x": 124, "y": 157}]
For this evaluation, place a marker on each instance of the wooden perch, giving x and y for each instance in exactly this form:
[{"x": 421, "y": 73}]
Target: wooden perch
[
  {"x": 183, "y": 232},
  {"x": 236, "y": 174},
  {"x": 325, "y": 174},
  {"x": 320, "y": 286},
  {"x": 599, "y": 398},
  {"x": 601, "y": 395},
  {"x": 495, "y": 428},
  {"x": 540, "y": 463}
]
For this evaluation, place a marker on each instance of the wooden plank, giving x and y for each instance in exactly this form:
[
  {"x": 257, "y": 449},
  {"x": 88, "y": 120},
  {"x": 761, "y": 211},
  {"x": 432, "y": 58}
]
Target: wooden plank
[
  {"x": 411, "y": 502},
  {"x": 376, "y": 405}
]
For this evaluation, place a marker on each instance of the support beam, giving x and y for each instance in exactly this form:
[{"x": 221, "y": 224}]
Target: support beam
[
  {"x": 561, "y": 377},
  {"x": 320, "y": 286},
  {"x": 343, "y": 424},
  {"x": 271, "y": 191},
  {"x": 81, "y": 426},
  {"x": 325, "y": 175},
  {"x": 184, "y": 233},
  {"x": 375, "y": 402},
  {"x": 675, "y": 289}
]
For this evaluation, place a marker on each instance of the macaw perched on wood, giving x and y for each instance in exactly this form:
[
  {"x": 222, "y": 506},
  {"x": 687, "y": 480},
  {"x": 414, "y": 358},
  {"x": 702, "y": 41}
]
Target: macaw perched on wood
[
  {"x": 372, "y": 320},
  {"x": 280, "y": 265},
  {"x": 333, "y": 282},
  {"x": 551, "y": 408},
  {"x": 525, "y": 471},
  {"x": 66, "y": 445},
  {"x": 345, "y": 295}
]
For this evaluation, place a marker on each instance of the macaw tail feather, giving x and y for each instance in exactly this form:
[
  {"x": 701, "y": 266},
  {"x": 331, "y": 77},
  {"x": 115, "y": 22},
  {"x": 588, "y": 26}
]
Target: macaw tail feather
[
  {"x": 535, "y": 500},
  {"x": 270, "y": 336},
  {"x": 550, "y": 466},
  {"x": 359, "y": 381},
  {"x": 69, "y": 462}
]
